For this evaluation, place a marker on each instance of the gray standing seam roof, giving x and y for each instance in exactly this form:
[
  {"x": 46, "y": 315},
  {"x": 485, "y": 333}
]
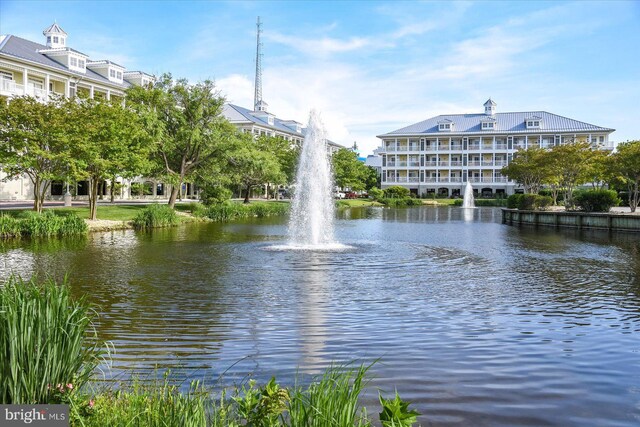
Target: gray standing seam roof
[
  {"x": 28, "y": 50},
  {"x": 235, "y": 113},
  {"x": 505, "y": 123}
]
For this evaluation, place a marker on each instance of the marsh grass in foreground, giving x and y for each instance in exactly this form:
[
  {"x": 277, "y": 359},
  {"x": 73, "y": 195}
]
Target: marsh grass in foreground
[{"x": 46, "y": 341}]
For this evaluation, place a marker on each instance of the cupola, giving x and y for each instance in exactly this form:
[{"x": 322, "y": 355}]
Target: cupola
[
  {"x": 490, "y": 107},
  {"x": 56, "y": 36}
]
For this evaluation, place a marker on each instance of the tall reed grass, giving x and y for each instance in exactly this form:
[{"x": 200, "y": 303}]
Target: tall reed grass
[
  {"x": 155, "y": 216},
  {"x": 230, "y": 210},
  {"x": 46, "y": 224},
  {"x": 45, "y": 341}
]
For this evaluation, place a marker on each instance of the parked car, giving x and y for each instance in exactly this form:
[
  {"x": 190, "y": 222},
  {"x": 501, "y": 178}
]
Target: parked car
[
  {"x": 338, "y": 195},
  {"x": 350, "y": 195}
]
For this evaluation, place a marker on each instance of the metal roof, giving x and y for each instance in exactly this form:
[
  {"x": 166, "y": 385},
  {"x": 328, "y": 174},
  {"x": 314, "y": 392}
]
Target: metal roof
[
  {"x": 505, "y": 123},
  {"x": 54, "y": 28},
  {"x": 237, "y": 114},
  {"x": 27, "y": 50}
]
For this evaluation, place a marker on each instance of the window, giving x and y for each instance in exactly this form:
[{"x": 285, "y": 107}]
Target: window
[
  {"x": 55, "y": 39},
  {"x": 119, "y": 75},
  {"x": 529, "y": 124},
  {"x": 73, "y": 61},
  {"x": 487, "y": 125},
  {"x": 72, "y": 90},
  {"x": 536, "y": 123},
  {"x": 445, "y": 126},
  {"x": 48, "y": 39},
  {"x": 5, "y": 75},
  {"x": 81, "y": 63},
  {"x": 112, "y": 73}
]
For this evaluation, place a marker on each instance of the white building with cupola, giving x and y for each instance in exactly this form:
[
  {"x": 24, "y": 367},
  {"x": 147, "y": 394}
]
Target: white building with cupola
[
  {"x": 439, "y": 155},
  {"x": 42, "y": 70}
]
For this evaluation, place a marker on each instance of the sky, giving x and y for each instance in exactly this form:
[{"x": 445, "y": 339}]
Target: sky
[{"x": 371, "y": 67}]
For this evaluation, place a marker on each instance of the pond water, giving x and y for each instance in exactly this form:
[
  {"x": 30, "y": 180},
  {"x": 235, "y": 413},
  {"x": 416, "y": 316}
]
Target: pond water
[{"x": 475, "y": 322}]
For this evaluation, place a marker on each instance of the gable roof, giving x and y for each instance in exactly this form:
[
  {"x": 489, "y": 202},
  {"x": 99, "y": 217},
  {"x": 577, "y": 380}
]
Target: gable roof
[
  {"x": 54, "y": 28},
  {"x": 505, "y": 123},
  {"x": 27, "y": 50},
  {"x": 235, "y": 113}
]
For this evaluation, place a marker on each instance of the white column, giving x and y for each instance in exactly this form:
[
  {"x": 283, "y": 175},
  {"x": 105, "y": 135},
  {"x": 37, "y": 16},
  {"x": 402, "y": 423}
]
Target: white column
[
  {"x": 108, "y": 94},
  {"x": 46, "y": 85},
  {"x": 25, "y": 73},
  {"x": 91, "y": 91},
  {"x": 526, "y": 142},
  {"x": 67, "y": 86}
]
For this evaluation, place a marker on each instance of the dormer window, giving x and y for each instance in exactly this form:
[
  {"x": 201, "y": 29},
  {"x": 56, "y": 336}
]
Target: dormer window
[
  {"x": 534, "y": 122},
  {"x": 487, "y": 126},
  {"x": 445, "y": 125}
]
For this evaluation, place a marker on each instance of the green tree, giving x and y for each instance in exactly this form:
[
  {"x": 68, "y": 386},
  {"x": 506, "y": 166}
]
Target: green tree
[
  {"x": 108, "y": 139},
  {"x": 33, "y": 143},
  {"x": 286, "y": 152},
  {"x": 574, "y": 167},
  {"x": 624, "y": 167},
  {"x": 187, "y": 125},
  {"x": 349, "y": 172},
  {"x": 251, "y": 166},
  {"x": 527, "y": 169}
]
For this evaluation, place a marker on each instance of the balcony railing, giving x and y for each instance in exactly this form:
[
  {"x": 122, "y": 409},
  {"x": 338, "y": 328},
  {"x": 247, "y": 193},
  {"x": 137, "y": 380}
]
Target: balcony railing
[
  {"x": 473, "y": 147},
  {"x": 456, "y": 146},
  {"x": 11, "y": 87},
  {"x": 414, "y": 164}
]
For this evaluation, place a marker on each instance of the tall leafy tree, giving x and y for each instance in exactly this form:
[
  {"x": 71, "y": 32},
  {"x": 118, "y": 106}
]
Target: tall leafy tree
[
  {"x": 108, "y": 139},
  {"x": 575, "y": 164},
  {"x": 624, "y": 167},
  {"x": 187, "y": 124},
  {"x": 250, "y": 166},
  {"x": 349, "y": 172},
  {"x": 33, "y": 143},
  {"x": 527, "y": 169}
]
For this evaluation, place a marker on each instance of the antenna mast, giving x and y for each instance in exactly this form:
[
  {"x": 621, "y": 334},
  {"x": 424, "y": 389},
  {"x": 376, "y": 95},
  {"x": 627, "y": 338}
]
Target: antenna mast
[{"x": 257, "y": 99}]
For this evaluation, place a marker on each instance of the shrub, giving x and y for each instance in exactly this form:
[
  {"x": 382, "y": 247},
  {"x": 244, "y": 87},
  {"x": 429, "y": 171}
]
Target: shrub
[
  {"x": 375, "y": 193},
  {"x": 215, "y": 195},
  {"x": 154, "y": 216},
  {"x": 483, "y": 202},
  {"x": 10, "y": 226},
  {"x": 47, "y": 341},
  {"x": 528, "y": 202},
  {"x": 396, "y": 192},
  {"x": 400, "y": 202},
  {"x": 513, "y": 201},
  {"x": 596, "y": 200}
]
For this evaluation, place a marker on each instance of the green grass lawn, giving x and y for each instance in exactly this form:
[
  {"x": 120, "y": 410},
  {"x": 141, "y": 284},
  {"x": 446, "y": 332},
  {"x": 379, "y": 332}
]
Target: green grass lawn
[
  {"x": 356, "y": 203},
  {"x": 112, "y": 213}
]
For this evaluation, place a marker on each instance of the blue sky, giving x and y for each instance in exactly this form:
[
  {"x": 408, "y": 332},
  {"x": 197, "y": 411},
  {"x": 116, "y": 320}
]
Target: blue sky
[{"x": 373, "y": 67}]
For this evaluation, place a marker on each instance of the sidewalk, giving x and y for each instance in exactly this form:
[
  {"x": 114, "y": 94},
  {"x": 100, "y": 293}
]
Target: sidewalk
[{"x": 28, "y": 204}]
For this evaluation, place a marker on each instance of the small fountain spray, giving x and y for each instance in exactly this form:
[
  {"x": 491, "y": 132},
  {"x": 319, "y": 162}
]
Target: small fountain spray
[
  {"x": 468, "y": 200},
  {"x": 313, "y": 207}
]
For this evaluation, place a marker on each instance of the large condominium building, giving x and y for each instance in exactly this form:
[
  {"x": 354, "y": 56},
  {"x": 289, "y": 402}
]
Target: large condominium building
[
  {"x": 53, "y": 68},
  {"x": 439, "y": 155}
]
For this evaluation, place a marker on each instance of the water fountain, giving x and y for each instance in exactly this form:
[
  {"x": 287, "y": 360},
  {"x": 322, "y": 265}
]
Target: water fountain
[
  {"x": 313, "y": 207},
  {"x": 468, "y": 201}
]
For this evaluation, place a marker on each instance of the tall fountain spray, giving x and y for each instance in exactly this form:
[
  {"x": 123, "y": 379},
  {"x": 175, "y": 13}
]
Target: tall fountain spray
[
  {"x": 468, "y": 201},
  {"x": 312, "y": 207}
]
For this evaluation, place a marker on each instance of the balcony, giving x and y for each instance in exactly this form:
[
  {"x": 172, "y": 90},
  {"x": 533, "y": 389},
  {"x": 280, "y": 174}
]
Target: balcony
[
  {"x": 501, "y": 146},
  {"x": 473, "y": 147},
  {"x": 414, "y": 147},
  {"x": 443, "y": 163},
  {"x": 414, "y": 164},
  {"x": 456, "y": 146},
  {"x": 9, "y": 87}
]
